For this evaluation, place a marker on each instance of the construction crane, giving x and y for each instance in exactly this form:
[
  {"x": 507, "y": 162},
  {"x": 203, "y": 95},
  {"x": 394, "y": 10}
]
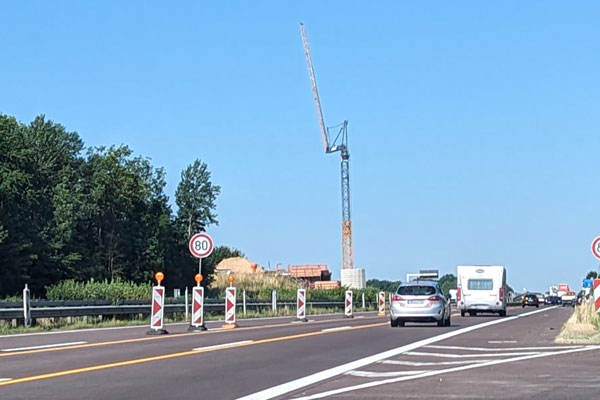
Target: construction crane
[{"x": 339, "y": 143}]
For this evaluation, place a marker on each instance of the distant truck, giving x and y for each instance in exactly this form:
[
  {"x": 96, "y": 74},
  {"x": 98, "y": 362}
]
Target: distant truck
[
  {"x": 481, "y": 289},
  {"x": 569, "y": 299}
]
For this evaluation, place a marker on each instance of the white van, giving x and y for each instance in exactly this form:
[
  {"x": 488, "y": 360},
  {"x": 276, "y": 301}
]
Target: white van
[{"x": 481, "y": 288}]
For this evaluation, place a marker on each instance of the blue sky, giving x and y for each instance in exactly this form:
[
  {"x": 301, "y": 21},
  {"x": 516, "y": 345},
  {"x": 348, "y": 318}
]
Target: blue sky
[{"x": 473, "y": 126}]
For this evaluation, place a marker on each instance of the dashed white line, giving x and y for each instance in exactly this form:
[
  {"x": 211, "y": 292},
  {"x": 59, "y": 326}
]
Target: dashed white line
[
  {"x": 340, "y": 328},
  {"x": 45, "y": 346},
  {"x": 371, "y": 374},
  {"x": 223, "y": 346},
  {"x": 424, "y": 363},
  {"x": 447, "y": 355},
  {"x": 501, "y": 341}
]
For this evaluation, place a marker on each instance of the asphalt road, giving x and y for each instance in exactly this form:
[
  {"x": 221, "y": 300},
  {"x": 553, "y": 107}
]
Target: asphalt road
[{"x": 328, "y": 357}]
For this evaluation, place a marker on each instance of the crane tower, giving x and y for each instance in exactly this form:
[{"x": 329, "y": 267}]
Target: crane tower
[{"x": 350, "y": 277}]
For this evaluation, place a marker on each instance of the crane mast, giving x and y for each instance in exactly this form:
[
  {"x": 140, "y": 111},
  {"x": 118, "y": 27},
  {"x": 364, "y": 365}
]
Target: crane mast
[{"x": 340, "y": 143}]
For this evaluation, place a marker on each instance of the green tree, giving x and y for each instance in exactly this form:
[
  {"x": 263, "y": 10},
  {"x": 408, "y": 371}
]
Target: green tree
[
  {"x": 385, "y": 285},
  {"x": 195, "y": 197},
  {"x": 591, "y": 275}
]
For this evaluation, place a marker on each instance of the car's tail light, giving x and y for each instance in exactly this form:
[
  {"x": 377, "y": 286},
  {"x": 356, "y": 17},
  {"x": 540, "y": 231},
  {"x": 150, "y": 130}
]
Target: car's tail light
[
  {"x": 458, "y": 294},
  {"x": 397, "y": 298},
  {"x": 435, "y": 298},
  {"x": 501, "y": 294}
]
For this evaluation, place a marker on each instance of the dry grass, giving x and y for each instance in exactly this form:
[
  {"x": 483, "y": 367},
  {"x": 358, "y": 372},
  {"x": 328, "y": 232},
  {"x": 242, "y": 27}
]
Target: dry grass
[
  {"x": 256, "y": 282},
  {"x": 582, "y": 327}
]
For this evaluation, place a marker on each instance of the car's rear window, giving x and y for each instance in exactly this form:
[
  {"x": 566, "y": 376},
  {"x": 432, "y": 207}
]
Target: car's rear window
[
  {"x": 416, "y": 290},
  {"x": 481, "y": 284}
]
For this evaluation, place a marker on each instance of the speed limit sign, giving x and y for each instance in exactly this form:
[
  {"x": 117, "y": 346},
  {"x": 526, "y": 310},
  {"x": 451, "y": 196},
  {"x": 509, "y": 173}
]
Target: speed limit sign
[
  {"x": 596, "y": 247},
  {"x": 201, "y": 245}
]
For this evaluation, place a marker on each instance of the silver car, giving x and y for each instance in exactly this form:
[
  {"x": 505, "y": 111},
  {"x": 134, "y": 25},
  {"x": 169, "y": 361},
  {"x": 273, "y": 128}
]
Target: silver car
[{"x": 420, "y": 301}]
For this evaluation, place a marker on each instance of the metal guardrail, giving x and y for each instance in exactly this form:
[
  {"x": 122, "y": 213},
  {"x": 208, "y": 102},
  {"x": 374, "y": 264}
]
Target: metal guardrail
[{"x": 54, "y": 309}]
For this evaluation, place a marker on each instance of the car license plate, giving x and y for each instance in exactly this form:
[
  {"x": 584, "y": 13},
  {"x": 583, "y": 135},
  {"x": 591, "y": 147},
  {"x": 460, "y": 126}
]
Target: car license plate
[{"x": 415, "y": 301}]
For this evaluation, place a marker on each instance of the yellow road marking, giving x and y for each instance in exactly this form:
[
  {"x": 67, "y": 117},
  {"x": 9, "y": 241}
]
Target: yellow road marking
[
  {"x": 176, "y": 355},
  {"x": 144, "y": 339}
]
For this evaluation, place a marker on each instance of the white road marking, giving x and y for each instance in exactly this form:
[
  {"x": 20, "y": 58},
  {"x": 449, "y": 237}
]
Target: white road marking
[
  {"x": 502, "y": 341},
  {"x": 371, "y": 374},
  {"x": 447, "y": 355},
  {"x": 5, "y": 379},
  {"x": 296, "y": 384},
  {"x": 44, "y": 346},
  {"x": 423, "y": 363},
  {"x": 442, "y": 371},
  {"x": 223, "y": 346},
  {"x": 340, "y": 328},
  {"x": 502, "y": 349}
]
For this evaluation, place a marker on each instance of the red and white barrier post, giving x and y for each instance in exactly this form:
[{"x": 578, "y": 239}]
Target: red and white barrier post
[
  {"x": 301, "y": 305},
  {"x": 197, "y": 323},
  {"x": 348, "y": 308},
  {"x": 230, "y": 301},
  {"x": 597, "y": 295},
  {"x": 158, "y": 307},
  {"x": 381, "y": 304}
]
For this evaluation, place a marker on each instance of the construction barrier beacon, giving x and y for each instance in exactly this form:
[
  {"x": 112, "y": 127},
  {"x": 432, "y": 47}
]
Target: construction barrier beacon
[
  {"x": 381, "y": 304},
  {"x": 158, "y": 307},
  {"x": 230, "y": 300},
  {"x": 301, "y": 305},
  {"x": 597, "y": 295},
  {"x": 348, "y": 308}
]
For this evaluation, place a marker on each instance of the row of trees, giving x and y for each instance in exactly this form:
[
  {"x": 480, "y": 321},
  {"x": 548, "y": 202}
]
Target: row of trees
[{"x": 71, "y": 212}]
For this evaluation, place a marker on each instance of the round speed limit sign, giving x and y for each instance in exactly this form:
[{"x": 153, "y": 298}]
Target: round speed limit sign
[
  {"x": 596, "y": 247},
  {"x": 201, "y": 245}
]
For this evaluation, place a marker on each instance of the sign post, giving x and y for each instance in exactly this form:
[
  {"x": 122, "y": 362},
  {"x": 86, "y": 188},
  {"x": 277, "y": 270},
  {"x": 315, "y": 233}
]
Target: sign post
[
  {"x": 301, "y": 305},
  {"x": 201, "y": 246},
  {"x": 597, "y": 295},
  {"x": 158, "y": 307},
  {"x": 381, "y": 305}
]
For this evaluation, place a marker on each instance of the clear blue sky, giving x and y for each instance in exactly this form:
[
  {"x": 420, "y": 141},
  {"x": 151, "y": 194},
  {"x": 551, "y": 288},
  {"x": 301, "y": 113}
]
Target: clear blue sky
[{"x": 473, "y": 125}]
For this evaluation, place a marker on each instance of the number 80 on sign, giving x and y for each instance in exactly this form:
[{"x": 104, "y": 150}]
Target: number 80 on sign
[
  {"x": 596, "y": 247},
  {"x": 201, "y": 245}
]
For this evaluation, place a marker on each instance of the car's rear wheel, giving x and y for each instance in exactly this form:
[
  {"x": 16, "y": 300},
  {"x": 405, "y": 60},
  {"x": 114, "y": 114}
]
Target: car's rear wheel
[
  {"x": 462, "y": 313},
  {"x": 394, "y": 323},
  {"x": 472, "y": 313},
  {"x": 442, "y": 322},
  {"x": 448, "y": 322},
  {"x": 400, "y": 323},
  {"x": 502, "y": 313}
]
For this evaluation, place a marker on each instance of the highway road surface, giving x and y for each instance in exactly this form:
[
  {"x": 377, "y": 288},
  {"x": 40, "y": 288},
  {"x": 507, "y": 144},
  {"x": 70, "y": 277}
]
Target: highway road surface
[{"x": 330, "y": 356}]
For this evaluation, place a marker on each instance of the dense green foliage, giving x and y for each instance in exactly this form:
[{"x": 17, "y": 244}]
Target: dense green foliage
[
  {"x": 387, "y": 286},
  {"x": 591, "y": 275},
  {"x": 115, "y": 291},
  {"x": 71, "y": 212},
  {"x": 447, "y": 282}
]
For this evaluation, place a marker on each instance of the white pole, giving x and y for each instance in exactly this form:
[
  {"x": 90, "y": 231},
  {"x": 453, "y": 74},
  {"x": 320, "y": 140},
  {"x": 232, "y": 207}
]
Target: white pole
[
  {"x": 244, "y": 301},
  {"x": 274, "y": 301},
  {"x": 26, "y": 306},
  {"x": 187, "y": 310},
  {"x": 363, "y": 301}
]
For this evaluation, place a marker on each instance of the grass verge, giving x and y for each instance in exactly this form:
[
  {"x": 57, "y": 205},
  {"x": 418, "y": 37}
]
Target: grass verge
[{"x": 582, "y": 327}]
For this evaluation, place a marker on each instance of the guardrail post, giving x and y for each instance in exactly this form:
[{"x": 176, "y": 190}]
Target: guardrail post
[
  {"x": 187, "y": 309},
  {"x": 363, "y": 301},
  {"x": 244, "y": 301},
  {"x": 274, "y": 301},
  {"x": 26, "y": 306}
]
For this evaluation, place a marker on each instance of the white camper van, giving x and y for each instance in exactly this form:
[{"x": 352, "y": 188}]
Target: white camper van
[{"x": 481, "y": 288}]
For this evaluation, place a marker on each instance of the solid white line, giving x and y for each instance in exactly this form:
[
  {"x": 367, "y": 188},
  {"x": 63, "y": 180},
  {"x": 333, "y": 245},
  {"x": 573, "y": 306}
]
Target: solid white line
[
  {"x": 371, "y": 374},
  {"x": 442, "y": 371},
  {"x": 446, "y": 355},
  {"x": 340, "y": 328},
  {"x": 5, "y": 379},
  {"x": 223, "y": 346},
  {"x": 423, "y": 364},
  {"x": 296, "y": 384},
  {"x": 501, "y": 349},
  {"x": 45, "y": 346}
]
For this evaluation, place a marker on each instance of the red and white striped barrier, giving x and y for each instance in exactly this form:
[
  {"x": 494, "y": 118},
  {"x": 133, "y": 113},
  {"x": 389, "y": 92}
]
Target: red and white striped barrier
[
  {"x": 158, "y": 309},
  {"x": 597, "y": 295},
  {"x": 301, "y": 305},
  {"x": 348, "y": 308},
  {"x": 230, "y": 307},
  {"x": 198, "y": 308},
  {"x": 381, "y": 304}
]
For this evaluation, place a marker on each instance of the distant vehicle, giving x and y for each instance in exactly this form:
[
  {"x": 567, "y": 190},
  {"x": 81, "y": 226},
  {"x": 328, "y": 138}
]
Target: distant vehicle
[
  {"x": 481, "y": 289},
  {"x": 541, "y": 298},
  {"x": 563, "y": 289},
  {"x": 551, "y": 299},
  {"x": 530, "y": 299},
  {"x": 452, "y": 294},
  {"x": 419, "y": 301},
  {"x": 569, "y": 299}
]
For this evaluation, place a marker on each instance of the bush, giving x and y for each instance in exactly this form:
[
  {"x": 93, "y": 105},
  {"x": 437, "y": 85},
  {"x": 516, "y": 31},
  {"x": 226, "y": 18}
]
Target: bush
[{"x": 114, "y": 291}]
